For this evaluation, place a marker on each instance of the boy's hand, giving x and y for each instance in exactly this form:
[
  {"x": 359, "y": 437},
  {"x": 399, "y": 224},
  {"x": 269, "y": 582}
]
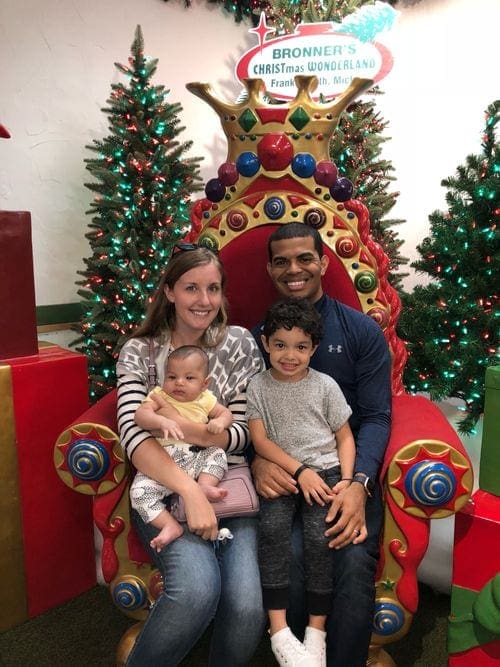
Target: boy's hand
[
  {"x": 171, "y": 429},
  {"x": 340, "y": 486},
  {"x": 215, "y": 426},
  {"x": 314, "y": 488}
]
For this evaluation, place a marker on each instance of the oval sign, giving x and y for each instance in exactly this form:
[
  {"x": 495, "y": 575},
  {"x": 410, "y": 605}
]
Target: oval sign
[{"x": 314, "y": 49}]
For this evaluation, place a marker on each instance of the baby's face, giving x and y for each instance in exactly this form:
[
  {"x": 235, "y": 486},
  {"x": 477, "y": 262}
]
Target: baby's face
[{"x": 185, "y": 379}]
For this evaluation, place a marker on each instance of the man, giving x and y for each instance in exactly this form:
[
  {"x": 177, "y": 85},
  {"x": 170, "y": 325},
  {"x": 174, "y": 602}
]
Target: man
[{"x": 354, "y": 352}]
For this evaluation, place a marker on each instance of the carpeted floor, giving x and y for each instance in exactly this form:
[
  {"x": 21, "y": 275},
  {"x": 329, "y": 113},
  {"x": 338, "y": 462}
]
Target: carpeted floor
[{"x": 85, "y": 632}]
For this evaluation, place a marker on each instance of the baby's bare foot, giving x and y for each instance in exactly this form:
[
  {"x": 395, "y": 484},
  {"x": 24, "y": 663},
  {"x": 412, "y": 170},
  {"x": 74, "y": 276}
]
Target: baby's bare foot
[
  {"x": 167, "y": 534},
  {"x": 213, "y": 493}
]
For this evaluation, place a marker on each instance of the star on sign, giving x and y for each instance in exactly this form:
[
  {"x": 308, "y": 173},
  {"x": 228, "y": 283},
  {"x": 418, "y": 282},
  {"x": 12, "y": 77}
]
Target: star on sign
[{"x": 262, "y": 29}]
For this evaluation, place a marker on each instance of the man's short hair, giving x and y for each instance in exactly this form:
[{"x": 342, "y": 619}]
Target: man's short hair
[
  {"x": 293, "y": 312},
  {"x": 293, "y": 230}
]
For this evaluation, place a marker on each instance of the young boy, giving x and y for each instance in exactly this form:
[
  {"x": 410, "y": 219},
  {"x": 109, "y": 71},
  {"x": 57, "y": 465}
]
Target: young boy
[
  {"x": 298, "y": 418},
  {"x": 184, "y": 389}
]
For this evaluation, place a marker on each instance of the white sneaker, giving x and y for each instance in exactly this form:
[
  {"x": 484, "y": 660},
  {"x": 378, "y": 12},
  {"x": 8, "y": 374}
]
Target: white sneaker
[
  {"x": 315, "y": 643},
  {"x": 289, "y": 651}
]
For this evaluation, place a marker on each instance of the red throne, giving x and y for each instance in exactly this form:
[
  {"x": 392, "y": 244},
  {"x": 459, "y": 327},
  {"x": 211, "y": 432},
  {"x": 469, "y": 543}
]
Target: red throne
[
  {"x": 426, "y": 473},
  {"x": 423, "y": 452}
]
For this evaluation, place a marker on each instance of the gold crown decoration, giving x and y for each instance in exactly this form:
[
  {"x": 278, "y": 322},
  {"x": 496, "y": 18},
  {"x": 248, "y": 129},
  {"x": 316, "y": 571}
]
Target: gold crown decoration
[
  {"x": 306, "y": 124},
  {"x": 278, "y": 170},
  {"x": 284, "y": 146}
]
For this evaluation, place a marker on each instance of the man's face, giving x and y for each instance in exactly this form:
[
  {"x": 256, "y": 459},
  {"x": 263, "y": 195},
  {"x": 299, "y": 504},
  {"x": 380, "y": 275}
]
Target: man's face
[{"x": 296, "y": 268}]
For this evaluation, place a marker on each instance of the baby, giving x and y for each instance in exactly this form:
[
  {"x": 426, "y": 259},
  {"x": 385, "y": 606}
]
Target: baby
[{"x": 185, "y": 390}]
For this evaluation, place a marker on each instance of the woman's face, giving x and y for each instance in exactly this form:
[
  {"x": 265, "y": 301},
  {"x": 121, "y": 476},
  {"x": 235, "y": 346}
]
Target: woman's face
[{"x": 197, "y": 296}]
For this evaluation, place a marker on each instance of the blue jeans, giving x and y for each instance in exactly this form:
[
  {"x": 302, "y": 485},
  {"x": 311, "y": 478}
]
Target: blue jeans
[
  {"x": 349, "y": 626},
  {"x": 204, "y": 581}
]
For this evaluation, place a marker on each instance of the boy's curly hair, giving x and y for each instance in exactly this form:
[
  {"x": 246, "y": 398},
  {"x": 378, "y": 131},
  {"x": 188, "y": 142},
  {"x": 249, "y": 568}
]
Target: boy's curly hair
[{"x": 293, "y": 312}]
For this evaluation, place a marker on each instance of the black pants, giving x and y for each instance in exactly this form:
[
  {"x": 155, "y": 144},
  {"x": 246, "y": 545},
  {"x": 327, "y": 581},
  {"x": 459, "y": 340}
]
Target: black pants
[{"x": 276, "y": 520}]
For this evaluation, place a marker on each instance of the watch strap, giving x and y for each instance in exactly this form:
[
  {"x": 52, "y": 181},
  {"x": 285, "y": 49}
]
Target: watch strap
[{"x": 364, "y": 480}]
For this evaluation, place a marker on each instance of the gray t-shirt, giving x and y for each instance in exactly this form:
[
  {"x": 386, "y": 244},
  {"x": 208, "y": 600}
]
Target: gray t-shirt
[{"x": 301, "y": 417}]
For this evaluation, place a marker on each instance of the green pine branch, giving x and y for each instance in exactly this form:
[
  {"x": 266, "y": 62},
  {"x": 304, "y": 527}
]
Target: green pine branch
[
  {"x": 451, "y": 325},
  {"x": 142, "y": 185}
]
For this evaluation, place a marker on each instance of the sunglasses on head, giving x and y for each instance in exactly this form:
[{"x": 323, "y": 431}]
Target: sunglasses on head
[{"x": 186, "y": 247}]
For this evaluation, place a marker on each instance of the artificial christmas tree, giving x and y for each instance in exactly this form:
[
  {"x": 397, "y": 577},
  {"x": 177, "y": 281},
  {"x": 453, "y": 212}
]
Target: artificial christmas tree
[
  {"x": 140, "y": 211},
  {"x": 450, "y": 323}
]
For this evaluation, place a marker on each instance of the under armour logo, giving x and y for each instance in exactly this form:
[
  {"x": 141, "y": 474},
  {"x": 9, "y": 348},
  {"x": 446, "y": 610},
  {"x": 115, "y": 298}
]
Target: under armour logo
[{"x": 335, "y": 348}]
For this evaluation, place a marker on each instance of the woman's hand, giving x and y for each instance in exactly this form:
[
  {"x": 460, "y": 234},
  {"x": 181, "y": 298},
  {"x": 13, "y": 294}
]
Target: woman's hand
[
  {"x": 167, "y": 410},
  {"x": 155, "y": 462},
  {"x": 348, "y": 513},
  {"x": 215, "y": 426},
  {"x": 201, "y": 519},
  {"x": 271, "y": 480},
  {"x": 314, "y": 488}
]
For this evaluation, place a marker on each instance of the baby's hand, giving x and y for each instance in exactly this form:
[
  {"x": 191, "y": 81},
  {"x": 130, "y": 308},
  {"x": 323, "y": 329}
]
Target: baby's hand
[
  {"x": 171, "y": 429},
  {"x": 314, "y": 488},
  {"x": 215, "y": 426}
]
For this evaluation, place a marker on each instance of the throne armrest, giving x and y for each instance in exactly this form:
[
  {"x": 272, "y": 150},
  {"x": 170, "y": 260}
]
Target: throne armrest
[
  {"x": 426, "y": 474},
  {"x": 89, "y": 459}
]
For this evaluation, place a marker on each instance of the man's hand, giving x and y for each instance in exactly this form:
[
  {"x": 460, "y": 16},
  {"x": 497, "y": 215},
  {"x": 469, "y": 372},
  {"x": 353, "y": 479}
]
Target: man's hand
[
  {"x": 347, "y": 511},
  {"x": 271, "y": 480}
]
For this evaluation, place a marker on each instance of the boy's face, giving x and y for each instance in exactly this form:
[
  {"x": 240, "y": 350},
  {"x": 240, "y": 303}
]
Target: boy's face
[
  {"x": 185, "y": 379},
  {"x": 289, "y": 353},
  {"x": 296, "y": 268}
]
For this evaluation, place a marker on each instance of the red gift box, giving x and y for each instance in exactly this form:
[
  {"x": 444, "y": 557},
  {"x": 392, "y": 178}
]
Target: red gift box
[
  {"x": 47, "y": 538},
  {"x": 475, "y": 603}
]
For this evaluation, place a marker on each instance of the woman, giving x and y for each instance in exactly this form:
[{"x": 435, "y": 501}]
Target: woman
[{"x": 203, "y": 580}]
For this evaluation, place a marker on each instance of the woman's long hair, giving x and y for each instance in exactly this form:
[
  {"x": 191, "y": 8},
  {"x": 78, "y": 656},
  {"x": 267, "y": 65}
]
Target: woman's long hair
[{"x": 161, "y": 312}]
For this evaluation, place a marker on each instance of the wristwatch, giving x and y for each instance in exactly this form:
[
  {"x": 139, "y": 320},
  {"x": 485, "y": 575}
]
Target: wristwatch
[{"x": 365, "y": 481}]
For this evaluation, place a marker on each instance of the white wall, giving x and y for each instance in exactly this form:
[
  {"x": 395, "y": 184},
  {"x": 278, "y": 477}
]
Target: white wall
[
  {"x": 445, "y": 75},
  {"x": 57, "y": 66}
]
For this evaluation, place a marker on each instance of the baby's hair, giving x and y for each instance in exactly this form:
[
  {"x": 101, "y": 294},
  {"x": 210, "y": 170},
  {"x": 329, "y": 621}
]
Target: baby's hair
[
  {"x": 186, "y": 351},
  {"x": 293, "y": 312}
]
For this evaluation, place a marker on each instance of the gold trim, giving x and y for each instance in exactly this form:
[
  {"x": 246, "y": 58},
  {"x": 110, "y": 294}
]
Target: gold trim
[
  {"x": 119, "y": 467},
  {"x": 377, "y": 657},
  {"x": 405, "y": 455},
  {"x": 386, "y": 585},
  {"x": 14, "y": 608},
  {"x": 143, "y": 572},
  {"x": 47, "y": 328}
]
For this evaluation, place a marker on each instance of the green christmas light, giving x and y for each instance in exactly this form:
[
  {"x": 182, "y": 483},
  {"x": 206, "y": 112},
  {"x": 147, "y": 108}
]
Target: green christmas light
[{"x": 133, "y": 184}]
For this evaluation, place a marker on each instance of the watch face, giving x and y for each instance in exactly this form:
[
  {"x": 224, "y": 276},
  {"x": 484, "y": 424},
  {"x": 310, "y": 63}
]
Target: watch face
[{"x": 370, "y": 486}]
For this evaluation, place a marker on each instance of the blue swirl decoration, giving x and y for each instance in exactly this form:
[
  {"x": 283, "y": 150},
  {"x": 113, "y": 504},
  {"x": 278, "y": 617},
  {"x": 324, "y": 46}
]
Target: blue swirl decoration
[
  {"x": 129, "y": 595},
  {"x": 274, "y": 208},
  {"x": 247, "y": 164},
  {"x": 303, "y": 165},
  {"x": 87, "y": 460},
  {"x": 430, "y": 483},
  {"x": 388, "y": 618}
]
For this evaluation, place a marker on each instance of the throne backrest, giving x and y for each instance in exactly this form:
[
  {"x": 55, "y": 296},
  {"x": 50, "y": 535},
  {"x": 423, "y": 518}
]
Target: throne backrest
[
  {"x": 277, "y": 170},
  {"x": 356, "y": 274}
]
